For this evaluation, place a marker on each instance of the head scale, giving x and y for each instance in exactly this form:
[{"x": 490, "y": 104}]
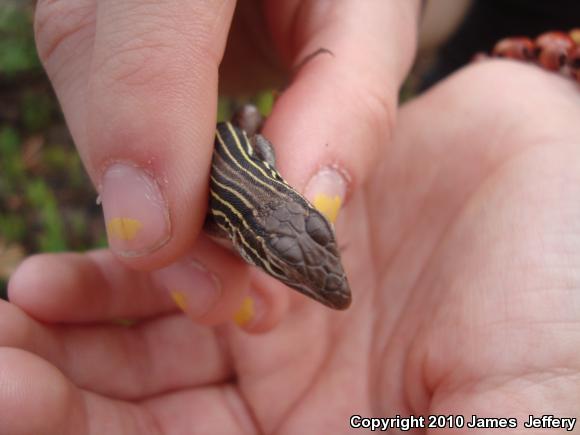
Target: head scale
[{"x": 304, "y": 246}]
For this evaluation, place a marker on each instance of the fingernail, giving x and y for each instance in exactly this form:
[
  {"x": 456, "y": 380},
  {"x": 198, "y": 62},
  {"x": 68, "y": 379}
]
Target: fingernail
[
  {"x": 245, "y": 313},
  {"x": 326, "y": 190},
  {"x": 179, "y": 299},
  {"x": 193, "y": 288},
  {"x": 248, "y": 312},
  {"x": 136, "y": 214}
]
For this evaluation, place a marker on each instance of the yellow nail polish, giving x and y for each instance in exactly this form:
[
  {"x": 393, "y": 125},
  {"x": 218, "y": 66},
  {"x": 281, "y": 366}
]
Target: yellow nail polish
[
  {"x": 124, "y": 228},
  {"x": 329, "y": 206},
  {"x": 245, "y": 313},
  {"x": 179, "y": 299}
]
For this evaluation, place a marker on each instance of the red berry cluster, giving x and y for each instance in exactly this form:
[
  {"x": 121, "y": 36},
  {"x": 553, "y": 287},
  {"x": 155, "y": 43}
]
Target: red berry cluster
[{"x": 555, "y": 51}]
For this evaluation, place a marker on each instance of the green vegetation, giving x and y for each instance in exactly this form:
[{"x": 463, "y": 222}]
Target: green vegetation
[
  {"x": 17, "y": 50},
  {"x": 47, "y": 203}
]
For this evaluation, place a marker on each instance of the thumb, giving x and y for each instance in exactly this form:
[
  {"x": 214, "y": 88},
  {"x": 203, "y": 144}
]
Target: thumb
[
  {"x": 341, "y": 107},
  {"x": 138, "y": 85}
]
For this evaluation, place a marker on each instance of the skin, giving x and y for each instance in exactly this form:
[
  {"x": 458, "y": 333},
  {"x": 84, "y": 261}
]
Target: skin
[
  {"x": 138, "y": 83},
  {"x": 461, "y": 250},
  {"x": 465, "y": 277}
]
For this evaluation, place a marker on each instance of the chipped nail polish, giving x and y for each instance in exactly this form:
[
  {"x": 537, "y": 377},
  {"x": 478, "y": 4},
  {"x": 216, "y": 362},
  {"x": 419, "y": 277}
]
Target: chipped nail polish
[
  {"x": 326, "y": 190},
  {"x": 193, "y": 288},
  {"x": 136, "y": 214}
]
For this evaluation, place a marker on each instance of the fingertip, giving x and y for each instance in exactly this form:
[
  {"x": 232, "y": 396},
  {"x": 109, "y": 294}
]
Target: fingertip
[
  {"x": 213, "y": 286},
  {"x": 36, "y": 397},
  {"x": 46, "y": 286},
  {"x": 264, "y": 306},
  {"x": 30, "y": 278},
  {"x": 75, "y": 287},
  {"x": 22, "y": 277},
  {"x": 136, "y": 212},
  {"x": 327, "y": 190},
  {"x": 208, "y": 284}
]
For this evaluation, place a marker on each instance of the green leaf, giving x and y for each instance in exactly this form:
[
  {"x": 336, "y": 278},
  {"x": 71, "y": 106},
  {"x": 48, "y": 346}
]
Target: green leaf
[
  {"x": 12, "y": 227},
  {"x": 52, "y": 236},
  {"x": 15, "y": 18},
  {"x": 36, "y": 110},
  {"x": 11, "y": 166},
  {"x": 9, "y": 143},
  {"x": 265, "y": 102},
  {"x": 223, "y": 112},
  {"x": 17, "y": 48}
]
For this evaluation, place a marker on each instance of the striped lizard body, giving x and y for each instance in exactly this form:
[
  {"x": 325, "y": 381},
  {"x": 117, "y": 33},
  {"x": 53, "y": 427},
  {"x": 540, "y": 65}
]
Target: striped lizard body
[{"x": 269, "y": 223}]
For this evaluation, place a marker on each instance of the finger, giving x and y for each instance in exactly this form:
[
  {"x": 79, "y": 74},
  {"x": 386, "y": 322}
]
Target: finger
[
  {"x": 147, "y": 359},
  {"x": 37, "y": 399},
  {"x": 97, "y": 287},
  {"x": 340, "y": 107},
  {"x": 149, "y": 115},
  {"x": 75, "y": 288},
  {"x": 211, "y": 285},
  {"x": 265, "y": 305}
]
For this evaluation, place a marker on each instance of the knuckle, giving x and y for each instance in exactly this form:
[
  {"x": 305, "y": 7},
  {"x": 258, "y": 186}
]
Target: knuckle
[
  {"x": 381, "y": 109},
  {"x": 138, "y": 61},
  {"x": 58, "y": 21},
  {"x": 152, "y": 49},
  {"x": 377, "y": 110}
]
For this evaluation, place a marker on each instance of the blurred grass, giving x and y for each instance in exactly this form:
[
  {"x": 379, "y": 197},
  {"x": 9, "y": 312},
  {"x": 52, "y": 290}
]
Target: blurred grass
[
  {"x": 17, "y": 50},
  {"x": 47, "y": 203}
]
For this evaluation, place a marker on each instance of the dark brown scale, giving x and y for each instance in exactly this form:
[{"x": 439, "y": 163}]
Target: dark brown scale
[
  {"x": 310, "y": 257},
  {"x": 288, "y": 249},
  {"x": 297, "y": 223},
  {"x": 316, "y": 228},
  {"x": 294, "y": 207},
  {"x": 271, "y": 224},
  {"x": 333, "y": 282},
  {"x": 282, "y": 212},
  {"x": 302, "y": 238}
]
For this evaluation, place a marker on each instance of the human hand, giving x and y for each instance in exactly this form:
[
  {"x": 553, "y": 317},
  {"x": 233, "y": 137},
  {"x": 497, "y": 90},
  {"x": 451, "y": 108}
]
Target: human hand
[
  {"x": 138, "y": 84},
  {"x": 462, "y": 256}
]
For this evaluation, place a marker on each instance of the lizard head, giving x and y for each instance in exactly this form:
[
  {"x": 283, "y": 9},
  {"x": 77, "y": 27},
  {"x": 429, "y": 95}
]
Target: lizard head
[{"x": 302, "y": 244}]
